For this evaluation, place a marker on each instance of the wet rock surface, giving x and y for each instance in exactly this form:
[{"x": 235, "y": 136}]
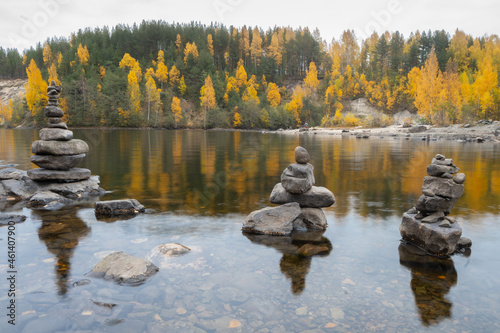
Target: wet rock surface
[
  {"x": 428, "y": 225},
  {"x": 431, "y": 237},
  {"x": 300, "y": 202},
  {"x": 316, "y": 197},
  {"x": 118, "y": 207},
  {"x": 273, "y": 220},
  {"x": 124, "y": 269}
]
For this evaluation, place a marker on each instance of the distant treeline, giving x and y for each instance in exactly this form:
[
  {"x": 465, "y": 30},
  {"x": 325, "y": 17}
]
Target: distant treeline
[{"x": 193, "y": 75}]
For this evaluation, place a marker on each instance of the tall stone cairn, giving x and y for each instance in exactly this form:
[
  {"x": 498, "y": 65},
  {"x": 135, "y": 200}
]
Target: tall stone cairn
[
  {"x": 300, "y": 202},
  {"x": 57, "y": 153},
  {"x": 429, "y": 224}
]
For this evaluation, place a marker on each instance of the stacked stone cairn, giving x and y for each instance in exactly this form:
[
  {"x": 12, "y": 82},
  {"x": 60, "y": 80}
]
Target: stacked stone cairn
[
  {"x": 428, "y": 225},
  {"x": 300, "y": 201},
  {"x": 57, "y": 153}
]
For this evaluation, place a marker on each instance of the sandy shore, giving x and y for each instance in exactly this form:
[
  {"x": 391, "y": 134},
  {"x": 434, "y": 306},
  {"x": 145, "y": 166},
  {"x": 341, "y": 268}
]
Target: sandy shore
[{"x": 475, "y": 132}]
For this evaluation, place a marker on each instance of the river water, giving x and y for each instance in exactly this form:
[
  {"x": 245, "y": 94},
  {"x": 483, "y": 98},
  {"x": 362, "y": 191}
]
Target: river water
[{"x": 198, "y": 187}]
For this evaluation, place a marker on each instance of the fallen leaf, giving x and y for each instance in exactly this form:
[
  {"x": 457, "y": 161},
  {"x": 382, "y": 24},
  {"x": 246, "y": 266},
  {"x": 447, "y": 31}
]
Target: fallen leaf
[
  {"x": 442, "y": 277},
  {"x": 330, "y": 325},
  {"x": 157, "y": 317},
  {"x": 87, "y": 313},
  {"x": 348, "y": 281},
  {"x": 234, "y": 323}
]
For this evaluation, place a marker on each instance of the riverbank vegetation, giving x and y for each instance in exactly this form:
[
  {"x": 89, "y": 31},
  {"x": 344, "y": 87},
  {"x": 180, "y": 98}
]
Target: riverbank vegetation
[{"x": 157, "y": 74}]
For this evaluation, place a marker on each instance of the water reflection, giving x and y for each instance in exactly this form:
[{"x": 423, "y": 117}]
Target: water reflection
[
  {"x": 431, "y": 280},
  {"x": 61, "y": 231},
  {"x": 298, "y": 250}
]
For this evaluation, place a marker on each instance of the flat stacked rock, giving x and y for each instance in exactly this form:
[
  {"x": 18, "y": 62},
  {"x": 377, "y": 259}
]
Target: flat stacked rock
[
  {"x": 57, "y": 153},
  {"x": 300, "y": 201},
  {"x": 428, "y": 225}
]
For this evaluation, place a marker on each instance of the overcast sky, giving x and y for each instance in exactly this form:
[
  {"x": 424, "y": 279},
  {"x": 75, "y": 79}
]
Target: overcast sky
[{"x": 26, "y": 22}]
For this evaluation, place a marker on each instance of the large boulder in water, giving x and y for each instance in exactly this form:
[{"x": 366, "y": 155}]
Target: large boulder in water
[
  {"x": 273, "y": 220},
  {"x": 431, "y": 237},
  {"x": 123, "y": 268}
]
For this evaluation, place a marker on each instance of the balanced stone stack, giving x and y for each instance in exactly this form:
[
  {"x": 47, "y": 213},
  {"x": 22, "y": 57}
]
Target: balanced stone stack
[
  {"x": 57, "y": 153},
  {"x": 428, "y": 225},
  {"x": 300, "y": 201}
]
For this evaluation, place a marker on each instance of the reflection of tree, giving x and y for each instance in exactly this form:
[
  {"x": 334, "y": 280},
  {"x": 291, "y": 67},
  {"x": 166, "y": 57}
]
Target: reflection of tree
[
  {"x": 61, "y": 231},
  {"x": 298, "y": 250},
  {"x": 431, "y": 279}
]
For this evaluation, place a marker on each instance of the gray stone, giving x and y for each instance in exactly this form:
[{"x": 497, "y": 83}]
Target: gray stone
[
  {"x": 316, "y": 197},
  {"x": 450, "y": 219},
  {"x": 430, "y": 237},
  {"x": 11, "y": 173},
  {"x": 54, "y": 120},
  {"x": 48, "y": 200},
  {"x": 60, "y": 125},
  {"x": 118, "y": 207},
  {"x": 446, "y": 162},
  {"x": 165, "y": 251},
  {"x": 314, "y": 219},
  {"x": 68, "y": 175},
  {"x": 71, "y": 147},
  {"x": 447, "y": 175},
  {"x": 459, "y": 178},
  {"x": 20, "y": 188},
  {"x": 298, "y": 178},
  {"x": 57, "y": 162},
  {"x": 124, "y": 268},
  {"x": 301, "y": 155},
  {"x": 6, "y": 219},
  {"x": 273, "y": 220},
  {"x": 464, "y": 242},
  {"x": 429, "y": 205},
  {"x": 412, "y": 210},
  {"x": 417, "y": 129},
  {"x": 53, "y": 111},
  {"x": 440, "y": 157},
  {"x": 445, "y": 188},
  {"x": 428, "y": 193},
  {"x": 74, "y": 190},
  {"x": 445, "y": 224},
  {"x": 437, "y": 170},
  {"x": 466, "y": 125},
  {"x": 55, "y": 134},
  {"x": 433, "y": 218}
]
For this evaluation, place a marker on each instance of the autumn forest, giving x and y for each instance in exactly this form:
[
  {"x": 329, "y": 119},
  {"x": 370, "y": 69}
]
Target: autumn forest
[{"x": 157, "y": 74}]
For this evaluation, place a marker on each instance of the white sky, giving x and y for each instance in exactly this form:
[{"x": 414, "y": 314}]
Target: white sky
[{"x": 23, "y": 23}]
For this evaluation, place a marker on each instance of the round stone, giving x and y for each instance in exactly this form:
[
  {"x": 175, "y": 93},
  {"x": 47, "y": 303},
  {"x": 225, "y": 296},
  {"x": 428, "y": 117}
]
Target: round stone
[
  {"x": 55, "y": 134},
  {"x": 298, "y": 178},
  {"x": 57, "y": 162},
  {"x": 301, "y": 155},
  {"x": 71, "y": 175},
  {"x": 55, "y": 120},
  {"x": 71, "y": 147},
  {"x": 459, "y": 178},
  {"x": 53, "y": 111}
]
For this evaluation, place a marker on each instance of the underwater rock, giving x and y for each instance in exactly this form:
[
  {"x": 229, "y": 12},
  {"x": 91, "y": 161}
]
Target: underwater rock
[{"x": 124, "y": 269}]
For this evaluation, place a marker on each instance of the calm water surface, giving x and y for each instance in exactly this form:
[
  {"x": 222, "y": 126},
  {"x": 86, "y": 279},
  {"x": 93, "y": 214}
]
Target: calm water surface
[{"x": 199, "y": 186}]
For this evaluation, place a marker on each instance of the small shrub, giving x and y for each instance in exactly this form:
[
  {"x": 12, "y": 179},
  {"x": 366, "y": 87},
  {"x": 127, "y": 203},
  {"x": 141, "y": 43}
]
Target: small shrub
[{"x": 351, "y": 120}]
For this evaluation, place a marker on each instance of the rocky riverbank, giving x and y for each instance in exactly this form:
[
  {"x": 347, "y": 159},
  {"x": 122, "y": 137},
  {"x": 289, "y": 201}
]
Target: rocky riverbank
[{"x": 482, "y": 131}]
